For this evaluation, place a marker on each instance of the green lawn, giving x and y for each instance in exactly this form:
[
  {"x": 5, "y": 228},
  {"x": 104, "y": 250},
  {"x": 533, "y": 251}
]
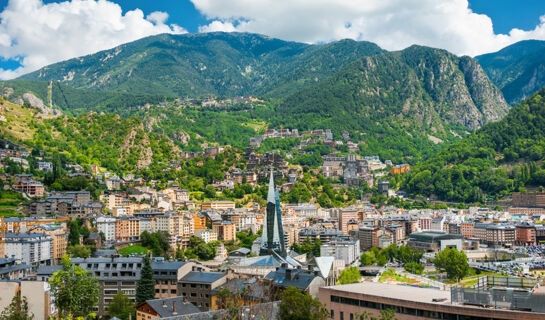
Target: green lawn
[{"x": 134, "y": 249}]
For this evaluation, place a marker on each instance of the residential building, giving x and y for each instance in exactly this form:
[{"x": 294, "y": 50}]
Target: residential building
[
  {"x": 164, "y": 308},
  {"x": 225, "y": 230},
  {"x": 217, "y": 205},
  {"x": 525, "y": 234},
  {"x": 284, "y": 277},
  {"x": 58, "y": 234},
  {"x": 344, "y": 248},
  {"x": 32, "y": 188},
  {"x": 29, "y": 248},
  {"x": 106, "y": 225},
  {"x": 197, "y": 287}
]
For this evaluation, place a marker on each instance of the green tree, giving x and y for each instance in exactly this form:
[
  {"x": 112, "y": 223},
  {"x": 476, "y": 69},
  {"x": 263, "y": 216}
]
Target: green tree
[
  {"x": 75, "y": 290},
  {"x": 17, "y": 310},
  {"x": 453, "y": 262},
  {"x": 368, "y": 258},
  {"x": 79, "y": 250},
  {"x": 121, "y": 306},
  {"x": 414, "y": 267},
  {"x": 145, "y": 288},
  {"x": 73, "y": 236},
  {"x": 205, "y": 251},
  {"x": 349, "y": 275},
  {"x": 295, "y": 305}
]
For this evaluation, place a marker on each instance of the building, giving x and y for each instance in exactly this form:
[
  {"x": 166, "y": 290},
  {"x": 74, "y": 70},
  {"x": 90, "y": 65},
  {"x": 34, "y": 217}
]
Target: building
[
  {"x": 206, "y": 235},
  {"x": 345, "y": 216},
  {"x": 400, "y": 169},
  {"x": 272, "y": 239},
  {"x": 58, "y": 234},
  {"x": 284, "y": 277},
  {"x": 11, "y": 270},
  {"x": 106, "y": 225},
  {"x": 164, "y": 308},
  {"x": 39, "y": 298},
  {"x": 32, "y": 188},
  {"x": 224, "y": 230},
  {"x": 433, "y": 241},
  {"x": 408, "y": 303},
  {"x": 29, "y": 248},
  {"x": 529, "y": 200},
  {"x": 197, "y": 287},
  {"x": 345, "y": 249},
  {"x": 127, "y": 229},
  {"x": 217, "y": 205},
  {"x": 525, "y": 234},
  {"x": 167, "y": 275}
]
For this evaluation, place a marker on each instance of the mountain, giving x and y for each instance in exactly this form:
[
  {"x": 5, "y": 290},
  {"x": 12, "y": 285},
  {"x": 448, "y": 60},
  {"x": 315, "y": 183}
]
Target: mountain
[
  {"x": 412, "y": 97},
  {"x": 225, "y": 64},
  {"x": 518, "y": 70},
  {"x": 496, "y": 160},
  {"x": 115, "y": 143}
]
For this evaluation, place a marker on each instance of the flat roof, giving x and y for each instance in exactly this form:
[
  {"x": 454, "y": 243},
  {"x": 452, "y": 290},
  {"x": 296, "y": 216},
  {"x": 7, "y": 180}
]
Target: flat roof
[{"x": 393, "y": 291}]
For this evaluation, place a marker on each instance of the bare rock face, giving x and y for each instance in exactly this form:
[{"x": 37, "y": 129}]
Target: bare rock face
[{"x": 37, "y": 103}]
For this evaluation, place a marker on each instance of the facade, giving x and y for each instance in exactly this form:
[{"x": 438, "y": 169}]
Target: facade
[
  {"x": 529, "y": 200},
  {"x": 345, "y": 217},
  {"x": 408, "y": 303},
  {"x": 224, "y": 230},
  {"x": 345, "y": 249},
  {"x": 525, "y": 234},
  {"x": 29, "y": 248},
  {"x": 106, "y": 225},
  {"x": 167, "y": 275},
  {"x": 163, "y": 308},
  {"x": 197, "y": 286},
  {"x": 217, "y": 205},
  {"x": 58, "y": 234},
  {"x": 32, "y": 188}
]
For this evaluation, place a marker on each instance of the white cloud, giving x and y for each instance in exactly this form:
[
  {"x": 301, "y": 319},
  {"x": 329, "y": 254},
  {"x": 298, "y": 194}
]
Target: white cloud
[
  {"x": 392, "y": 24},
  {"x": 216, "y": 25},
  {"x": 39, "y": 34}
]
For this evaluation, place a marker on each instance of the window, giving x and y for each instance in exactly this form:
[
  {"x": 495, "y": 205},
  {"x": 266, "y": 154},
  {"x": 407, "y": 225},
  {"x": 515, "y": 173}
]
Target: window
[
  {"x": 332, "y": 314},
  {"x": 342, "y": 315},
  {"x": 351, "y": 316}
]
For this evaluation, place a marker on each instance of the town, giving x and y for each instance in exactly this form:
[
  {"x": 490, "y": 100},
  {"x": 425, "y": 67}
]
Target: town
[{"x": 205, "y": 256}]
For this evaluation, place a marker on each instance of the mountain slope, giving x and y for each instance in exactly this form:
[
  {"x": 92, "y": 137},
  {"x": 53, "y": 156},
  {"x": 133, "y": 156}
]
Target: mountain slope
[
  {"x": 118, "y": 144},
  {"x": 519, "y": 69},
  {"x": 412, "y": 93},
  {"x": 500, "y": 158},
  {"x": 220, "y": 63}
]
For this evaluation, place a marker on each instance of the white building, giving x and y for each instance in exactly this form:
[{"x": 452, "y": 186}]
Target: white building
[
  {"x": 146, "y": 225},
  {"x": 29, "y": 248},
  {"x": 106, "y": 225},
  {"x": 206, "y": 235},
  {"x": 344, "y": 249}
]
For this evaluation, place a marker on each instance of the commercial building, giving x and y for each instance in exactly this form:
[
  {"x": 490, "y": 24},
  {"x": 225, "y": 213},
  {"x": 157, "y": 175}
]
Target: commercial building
[
  {"x": 408, "y": 303},
  {"x": 433, "y": 241}
]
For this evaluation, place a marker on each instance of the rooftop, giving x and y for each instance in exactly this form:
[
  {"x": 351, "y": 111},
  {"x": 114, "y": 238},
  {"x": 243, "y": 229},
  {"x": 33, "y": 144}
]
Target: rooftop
[
  {"x": 202, "y": 277},
  {"x": 393, "y": 291}
]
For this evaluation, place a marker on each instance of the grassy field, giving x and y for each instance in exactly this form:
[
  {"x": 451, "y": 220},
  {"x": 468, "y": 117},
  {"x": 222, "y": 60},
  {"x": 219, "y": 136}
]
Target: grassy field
[
  {"x": 134, "y": 249},
  {"x": 9, "y": 203}
]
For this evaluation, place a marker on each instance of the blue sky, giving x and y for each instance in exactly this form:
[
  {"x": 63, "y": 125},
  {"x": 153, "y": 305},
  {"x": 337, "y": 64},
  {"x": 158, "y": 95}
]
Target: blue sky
[{"x": 65, "y": 30}]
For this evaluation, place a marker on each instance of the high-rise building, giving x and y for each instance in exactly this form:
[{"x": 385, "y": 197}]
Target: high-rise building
[{"x": 273, "y": 234}]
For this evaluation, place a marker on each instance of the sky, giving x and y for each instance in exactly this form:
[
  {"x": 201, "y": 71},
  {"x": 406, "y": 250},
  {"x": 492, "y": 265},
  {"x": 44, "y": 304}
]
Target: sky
[{"x": 36, "y": 33}]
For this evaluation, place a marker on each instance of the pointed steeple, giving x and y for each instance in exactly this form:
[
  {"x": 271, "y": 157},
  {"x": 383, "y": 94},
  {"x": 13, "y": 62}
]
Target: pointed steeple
[{"x": 271, "y": 194}]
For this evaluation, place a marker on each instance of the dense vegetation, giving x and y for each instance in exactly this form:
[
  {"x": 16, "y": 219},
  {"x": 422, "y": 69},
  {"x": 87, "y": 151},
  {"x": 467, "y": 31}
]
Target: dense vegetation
[
  {"x": 500, "y": 158},
  {"x": 228, "y": 64},
  {"x": 398, "y": 104}
]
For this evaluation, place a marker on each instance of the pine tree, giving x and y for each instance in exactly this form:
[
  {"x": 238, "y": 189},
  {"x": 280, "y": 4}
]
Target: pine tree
[{"x": 145, "y": 289}]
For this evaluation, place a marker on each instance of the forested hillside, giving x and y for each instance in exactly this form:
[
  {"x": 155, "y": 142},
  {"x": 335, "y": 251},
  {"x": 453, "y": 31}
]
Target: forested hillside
[
  {"x": 113, "y": 142},
  {"x": 500, "y": 158},
  {"x": 228, "y": 64},
  {"x": 401, "y": 102}
]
